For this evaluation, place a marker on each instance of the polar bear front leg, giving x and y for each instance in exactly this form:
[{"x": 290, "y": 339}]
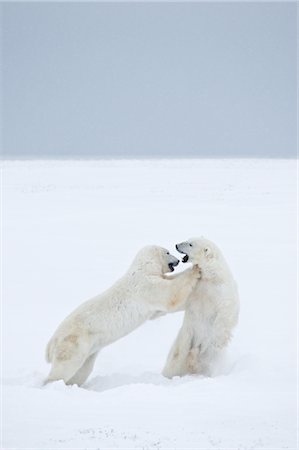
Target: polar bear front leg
[
  {"x": 170, "y": 295},
  {"x": 181, "y": 287}
]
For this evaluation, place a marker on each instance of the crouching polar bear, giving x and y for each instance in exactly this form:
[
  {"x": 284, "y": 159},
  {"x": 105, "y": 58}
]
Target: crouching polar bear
[
  {"x": 211, "y": 312},
  {"x": 141, "y": 294}
]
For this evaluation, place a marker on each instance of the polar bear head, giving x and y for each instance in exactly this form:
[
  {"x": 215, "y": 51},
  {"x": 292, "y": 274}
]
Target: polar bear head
[
  {"x": 199, "y": 251},
  {"x": 155, "y": 260}
]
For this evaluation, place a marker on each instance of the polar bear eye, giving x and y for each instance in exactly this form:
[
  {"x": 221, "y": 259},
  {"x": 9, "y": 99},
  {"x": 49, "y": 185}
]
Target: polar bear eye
[
  {"x": 167, "y": 253},
  {"x": 190, "y": 245},
  {"x": 206, "y": 250}
]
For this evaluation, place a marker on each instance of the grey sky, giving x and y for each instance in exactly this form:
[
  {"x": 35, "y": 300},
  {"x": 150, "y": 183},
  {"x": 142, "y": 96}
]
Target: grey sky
[{"x": 149, "y": 79}]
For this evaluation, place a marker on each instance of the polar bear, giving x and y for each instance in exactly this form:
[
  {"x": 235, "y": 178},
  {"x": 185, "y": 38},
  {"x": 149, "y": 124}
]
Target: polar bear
[
  {"x": 211, "y": 313},
  {"x": 140, "y": 294}
]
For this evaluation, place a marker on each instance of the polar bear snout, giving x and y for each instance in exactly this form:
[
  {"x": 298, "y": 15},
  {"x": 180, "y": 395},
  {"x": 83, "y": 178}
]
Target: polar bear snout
[
  {"x": 184, "y": 247},
  {"x": 173, "y": 263}
]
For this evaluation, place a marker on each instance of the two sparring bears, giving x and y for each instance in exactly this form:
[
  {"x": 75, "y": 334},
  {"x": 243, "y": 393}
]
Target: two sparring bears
[{"x": 206, "y": 291}]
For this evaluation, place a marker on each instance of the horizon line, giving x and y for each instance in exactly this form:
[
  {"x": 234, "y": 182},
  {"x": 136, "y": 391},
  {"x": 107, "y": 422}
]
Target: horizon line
[{"x": 133, "y": 158}]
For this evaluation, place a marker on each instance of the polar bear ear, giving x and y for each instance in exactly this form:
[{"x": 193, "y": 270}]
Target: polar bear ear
[{"x": 207, "y": 251}]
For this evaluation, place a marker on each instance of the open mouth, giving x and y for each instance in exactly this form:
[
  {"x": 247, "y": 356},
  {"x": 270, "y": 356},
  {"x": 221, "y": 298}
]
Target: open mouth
[
  {"x": 185, "y": 258},
  {"x": 172, "y": 265},
  {"x": 171, "y": 268}
]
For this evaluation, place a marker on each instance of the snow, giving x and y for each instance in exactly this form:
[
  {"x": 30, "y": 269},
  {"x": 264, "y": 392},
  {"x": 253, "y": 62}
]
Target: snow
[{"x": 71, "y": 228}]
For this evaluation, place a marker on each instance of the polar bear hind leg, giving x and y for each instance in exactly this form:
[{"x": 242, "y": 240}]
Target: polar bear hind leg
[
  {"x": 69, "y": 354},
  {"x": 83, "y": 373},
  {"x": 177, "y": 358},
  {"x": 201, "y": 362},
  {"x": 64, "y": 370}
]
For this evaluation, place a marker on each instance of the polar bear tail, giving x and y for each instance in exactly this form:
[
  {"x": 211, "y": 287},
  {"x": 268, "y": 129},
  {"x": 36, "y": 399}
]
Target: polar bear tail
[{"x": 49, "y": 352}]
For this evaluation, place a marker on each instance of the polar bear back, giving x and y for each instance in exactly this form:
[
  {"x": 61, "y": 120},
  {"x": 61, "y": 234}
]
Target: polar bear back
[{"x": 118, "y": 305}]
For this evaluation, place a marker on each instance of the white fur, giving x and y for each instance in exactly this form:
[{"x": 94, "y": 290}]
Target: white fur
[
  {"x": 211, "y": 312},
  {"x": 140, "y": 294}
]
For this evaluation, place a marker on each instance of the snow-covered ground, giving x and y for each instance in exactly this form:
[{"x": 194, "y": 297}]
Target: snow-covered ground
[{"x": 71, "y": 228}]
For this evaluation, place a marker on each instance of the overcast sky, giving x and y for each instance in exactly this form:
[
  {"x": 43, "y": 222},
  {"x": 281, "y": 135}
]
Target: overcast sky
[{"x": 149, "y": 79}]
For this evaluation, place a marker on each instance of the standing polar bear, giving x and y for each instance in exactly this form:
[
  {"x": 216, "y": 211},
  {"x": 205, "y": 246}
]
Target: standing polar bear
[
  {"x": 212, "y": 311},
  {"x": 139, "y": 295}
]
